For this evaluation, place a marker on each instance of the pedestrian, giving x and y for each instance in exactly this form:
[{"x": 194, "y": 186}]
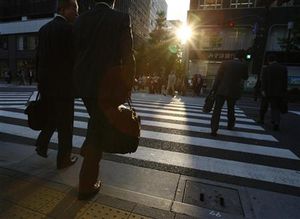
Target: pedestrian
[
  {"x": 199, "y": 84},
  {"x": 30, "y": 76},
  {"x": 103, "y": 39},
  {"x": 171, "y": 83},
  {"x": 6, "y": 76},
  {"x": 9, "y": 80},
  {"x": 274, "y": 87},
  {"x": 21, "y": 76},
  {"x": 227, "y": 86},
  {"x": 55, "y": 59}
]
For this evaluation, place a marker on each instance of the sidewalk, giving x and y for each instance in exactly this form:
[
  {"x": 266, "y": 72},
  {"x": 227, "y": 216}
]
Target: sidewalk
[{"x": 31, "y": 187}]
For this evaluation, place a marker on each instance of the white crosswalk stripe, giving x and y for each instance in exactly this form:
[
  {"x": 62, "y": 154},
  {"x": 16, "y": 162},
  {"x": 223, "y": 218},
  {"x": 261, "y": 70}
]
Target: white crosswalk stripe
[{"x": 171, "y": 123}]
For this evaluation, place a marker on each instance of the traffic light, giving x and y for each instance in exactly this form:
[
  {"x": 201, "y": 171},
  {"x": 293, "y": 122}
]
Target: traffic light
[
  {"x": 231, "y": 24},
  {"x": 248, "y": 54}
]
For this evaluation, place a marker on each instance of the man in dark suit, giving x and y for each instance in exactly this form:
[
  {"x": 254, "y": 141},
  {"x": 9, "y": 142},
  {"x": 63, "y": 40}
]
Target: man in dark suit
[
  {"x": 55, "y": 62},
  {"x": 274, "y": 87},
  {"x": 228, "y": 86},
  {"x": 103, "y": 41}
]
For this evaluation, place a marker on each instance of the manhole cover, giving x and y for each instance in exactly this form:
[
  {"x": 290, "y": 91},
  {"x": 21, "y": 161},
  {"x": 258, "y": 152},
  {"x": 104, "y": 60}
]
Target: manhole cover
[{"x": 213, "y": 197}]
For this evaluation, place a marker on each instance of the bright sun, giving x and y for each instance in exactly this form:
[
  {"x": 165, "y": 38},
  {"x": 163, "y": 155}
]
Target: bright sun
[{"x": 184, "y": 33}]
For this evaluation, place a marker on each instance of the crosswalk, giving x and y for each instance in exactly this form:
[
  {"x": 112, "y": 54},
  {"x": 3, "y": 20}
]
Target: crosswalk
[{"x": 176, "y": 137}]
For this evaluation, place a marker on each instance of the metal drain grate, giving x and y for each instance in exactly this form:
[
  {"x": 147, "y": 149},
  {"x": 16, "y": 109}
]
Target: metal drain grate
[{"x": 213, "y": 197}]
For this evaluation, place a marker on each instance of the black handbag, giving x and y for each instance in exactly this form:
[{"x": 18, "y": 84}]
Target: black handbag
[
  {"x": 123, "y": 130},
  {"x": 209, "y": 102},
  {"x": 36, "y": 114}
]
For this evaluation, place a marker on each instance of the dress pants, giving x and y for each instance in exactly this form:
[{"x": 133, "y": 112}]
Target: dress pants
[
  {"x": 264, "y": 105},
  {"x": 60, "y": 116},
  {"x": 275, "y": 109},
  {"x": 215, "y": 119},
  {"x": 91, "y": 149},
  {"x": 274, "y": 102}
]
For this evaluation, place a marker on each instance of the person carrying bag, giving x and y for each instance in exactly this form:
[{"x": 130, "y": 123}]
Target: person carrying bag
[{"x": 103, "y": 77}]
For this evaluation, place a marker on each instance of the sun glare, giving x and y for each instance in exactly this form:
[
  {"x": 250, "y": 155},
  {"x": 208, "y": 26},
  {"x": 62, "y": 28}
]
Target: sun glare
[{"x": 184, "y": 33}]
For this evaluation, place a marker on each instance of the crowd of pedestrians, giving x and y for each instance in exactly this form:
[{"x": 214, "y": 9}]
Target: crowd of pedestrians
[
  {"x": 24, "y": 76},
  {"x": 169, "y": 85}
]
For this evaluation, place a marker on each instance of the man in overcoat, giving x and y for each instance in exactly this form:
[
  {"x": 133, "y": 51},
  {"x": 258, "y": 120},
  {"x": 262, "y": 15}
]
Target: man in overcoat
[
  {"x": 228, "y": 87},
  {"x": 103, "y": 43},
  {"x": 274, "y": 87},
  {"x": 55, "y": 61}
]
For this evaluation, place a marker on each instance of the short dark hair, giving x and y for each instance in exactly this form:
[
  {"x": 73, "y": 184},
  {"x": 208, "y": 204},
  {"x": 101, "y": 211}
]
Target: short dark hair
[
  {"x": 110, "y": 2},
  {"x": 240, "y": 54},
  {"x": 62, "y": 4},
  {"x": 272, "y": 58}
]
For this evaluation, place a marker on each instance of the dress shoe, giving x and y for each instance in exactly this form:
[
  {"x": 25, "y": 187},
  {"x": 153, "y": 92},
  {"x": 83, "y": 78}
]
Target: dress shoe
[
  {"x": 67, "y": 163},
  {"x": 275, "y": 127},
  {"x": 230, "y": 127},
  {"x": 41, "y": 152},
  {"x": 93, "y": 191},
  {"x": 260, "y": 121},
  {"x": 214, "y": 134}
]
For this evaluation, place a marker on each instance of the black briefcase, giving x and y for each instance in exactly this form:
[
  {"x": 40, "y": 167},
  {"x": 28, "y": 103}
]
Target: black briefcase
[
  {"x": 122, "y": 131},
  {"x": 35, "y": 111},
  {"x": 209, "y": 102}
]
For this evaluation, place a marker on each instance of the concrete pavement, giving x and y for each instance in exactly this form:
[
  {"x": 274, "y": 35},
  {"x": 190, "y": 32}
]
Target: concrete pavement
[{"x": 31, "y": 186}]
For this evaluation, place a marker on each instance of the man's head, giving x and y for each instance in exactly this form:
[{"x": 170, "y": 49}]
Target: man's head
[
  {"x": 272, "y": 58},
  {"x": 240, "y": 54},
  {"x": 68, "y": 9},
  {"x": 110, "y": 2}
]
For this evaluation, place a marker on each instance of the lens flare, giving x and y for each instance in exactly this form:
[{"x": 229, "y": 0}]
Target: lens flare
[{"x": 184, "y": 33}]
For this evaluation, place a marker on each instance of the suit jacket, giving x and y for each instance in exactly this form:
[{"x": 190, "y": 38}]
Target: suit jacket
[
  {"x": 274, "y": 80},
  {"x": 55, "y": 58},
  {"x": 103, "y": 41},
  {"x": 229, "y": 79}
]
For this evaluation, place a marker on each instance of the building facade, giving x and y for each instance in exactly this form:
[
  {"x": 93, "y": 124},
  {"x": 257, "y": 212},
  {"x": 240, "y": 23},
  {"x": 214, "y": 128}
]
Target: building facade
[
  {"x": 139, "y": 12},
  {"x": 156, "y": 6},
  {"x": 20, "y": 21},
  {"x": 19, "y": 24},
  {"x": 222, "y": 27}
]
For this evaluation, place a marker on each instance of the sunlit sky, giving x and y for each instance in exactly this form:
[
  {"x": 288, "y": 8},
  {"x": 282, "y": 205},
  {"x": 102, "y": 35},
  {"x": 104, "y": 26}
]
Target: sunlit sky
[{"x": 177, "y": 9}]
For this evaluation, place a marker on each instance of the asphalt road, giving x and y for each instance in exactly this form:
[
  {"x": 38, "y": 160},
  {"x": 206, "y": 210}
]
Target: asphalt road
[{"x": 176, "y": 138}]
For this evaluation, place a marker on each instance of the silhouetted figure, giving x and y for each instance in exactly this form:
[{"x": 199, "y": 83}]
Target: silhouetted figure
[
  {"x": 171, "y": 83},
  {"x": 55, "y": 59},
  {"x": 228, "y": 86},
  {"x": 103, "y": 41},
  {"x": 30, "y": 76},
  {"x": 274, "y": 87}
]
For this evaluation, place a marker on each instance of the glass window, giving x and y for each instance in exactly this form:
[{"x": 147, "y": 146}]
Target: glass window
[
  {"x": 242, "y": 3},
  {"x": 227, "y": 39},
  {"x": 4, "y": 42},
  {"x": 31, "y": 42},
  {"x": 210, "y": 4},
  {"x": 20, "y": 43}
]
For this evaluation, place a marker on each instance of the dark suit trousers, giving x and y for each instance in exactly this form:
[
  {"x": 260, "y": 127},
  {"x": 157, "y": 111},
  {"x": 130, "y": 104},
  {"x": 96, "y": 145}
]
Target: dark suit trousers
[
  {"x": 90, "y": 150},
  {"x": 275, "y": 109},
  {"x": 215, "y": 119},
  {"x": 264, "y": 105},
  {"x": 60, "y": 116}
]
